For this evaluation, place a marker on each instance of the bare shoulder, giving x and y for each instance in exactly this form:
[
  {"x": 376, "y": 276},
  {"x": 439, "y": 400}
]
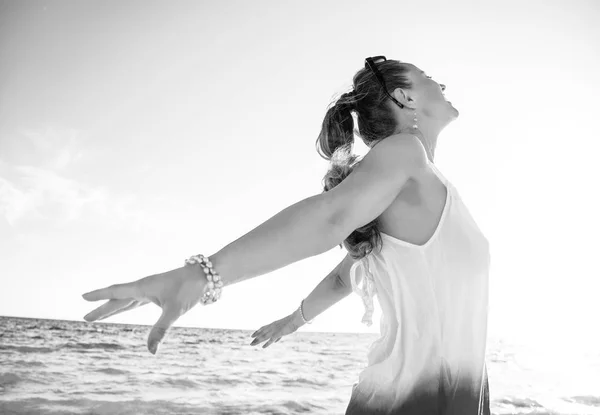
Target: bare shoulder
[{"x": 375, "y": 182}]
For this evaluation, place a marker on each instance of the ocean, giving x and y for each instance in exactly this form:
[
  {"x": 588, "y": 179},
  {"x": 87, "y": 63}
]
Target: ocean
[{"x": 71, "y": 367}]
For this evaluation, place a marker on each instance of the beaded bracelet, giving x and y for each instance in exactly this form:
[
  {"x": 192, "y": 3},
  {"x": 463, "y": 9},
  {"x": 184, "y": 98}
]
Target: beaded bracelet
[
  {"x": 212, "y": 290},
  {"x": 302, "y": 314}
]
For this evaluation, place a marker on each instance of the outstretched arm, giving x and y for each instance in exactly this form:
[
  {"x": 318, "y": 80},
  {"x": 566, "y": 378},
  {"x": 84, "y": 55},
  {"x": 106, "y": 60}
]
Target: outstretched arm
[
  {"x": 307, "y": 228},
  {"x": 329, "y": 291},
  {"x": 319, "y": 223},
  {"x": 334, "y": 287}
]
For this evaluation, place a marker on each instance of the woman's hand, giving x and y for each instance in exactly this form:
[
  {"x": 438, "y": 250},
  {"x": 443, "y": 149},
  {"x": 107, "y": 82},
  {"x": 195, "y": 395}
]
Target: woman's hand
[
  {"x": 175, "y": 291},
  {"x": 276, "y": 330}
]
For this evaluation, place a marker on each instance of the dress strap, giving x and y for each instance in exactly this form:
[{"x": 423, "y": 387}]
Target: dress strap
[
  {"x": 367, "y": 290},
  {"x": 438, "y": 173}
]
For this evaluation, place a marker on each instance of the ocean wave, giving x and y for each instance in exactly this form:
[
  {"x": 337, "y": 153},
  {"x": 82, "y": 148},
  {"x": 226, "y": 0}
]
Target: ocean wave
[
  {"x": 26, "y": 349},
  {"x": 227, "y": 381},
  {"x": 301, "y": 406},
  {"x": 287, "y": 407},
  {"x": 112, "y": 371},
  {"x": 585, "y": 400},
  {"x": 57, "y": 328},
  {"x": 518, "y": 402},
  {"x": 26, "y": 363},
  {"x": 99, "y": 345},
  {"x": 200, "y": 340},
  {"x": 9, "y": 379},
  {"x": 99, "y": 407},
  {"x": 297, "y": 381},
  {"x": 269, "y": 372},
  {"x": 179, "y": 382}
]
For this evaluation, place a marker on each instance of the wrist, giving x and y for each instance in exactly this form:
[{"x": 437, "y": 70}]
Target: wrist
[
  {"x": 297, "y": 318},
  {"x": 303, "y": 315}
]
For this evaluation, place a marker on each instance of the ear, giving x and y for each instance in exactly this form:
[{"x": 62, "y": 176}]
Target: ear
[{"x": 403, "y": 98}]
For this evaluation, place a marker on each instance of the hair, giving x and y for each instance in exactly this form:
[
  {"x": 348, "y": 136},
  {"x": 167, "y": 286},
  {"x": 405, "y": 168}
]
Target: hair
[{"x": 376, "y": 121}]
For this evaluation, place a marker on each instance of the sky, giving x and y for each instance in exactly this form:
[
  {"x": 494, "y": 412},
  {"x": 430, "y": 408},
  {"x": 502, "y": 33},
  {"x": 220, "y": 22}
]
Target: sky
[{"x": 136, "y": 134}]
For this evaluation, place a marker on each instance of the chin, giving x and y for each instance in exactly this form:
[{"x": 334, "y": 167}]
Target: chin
[{"x": 454, "y": 110}]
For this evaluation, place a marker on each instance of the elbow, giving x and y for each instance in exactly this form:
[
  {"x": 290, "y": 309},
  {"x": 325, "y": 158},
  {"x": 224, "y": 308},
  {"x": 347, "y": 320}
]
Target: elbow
[
  {"x": 343, "y": 286},
  {"x": 343, "y": 282}
]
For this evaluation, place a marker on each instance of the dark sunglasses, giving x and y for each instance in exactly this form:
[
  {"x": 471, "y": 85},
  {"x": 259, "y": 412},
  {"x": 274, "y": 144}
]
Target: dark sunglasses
[{"x": 370, "y": 64}]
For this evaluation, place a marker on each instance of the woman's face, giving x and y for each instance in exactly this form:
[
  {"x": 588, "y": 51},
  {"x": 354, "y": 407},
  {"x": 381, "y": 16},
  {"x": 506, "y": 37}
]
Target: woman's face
[{"x": 429, "y": 96}]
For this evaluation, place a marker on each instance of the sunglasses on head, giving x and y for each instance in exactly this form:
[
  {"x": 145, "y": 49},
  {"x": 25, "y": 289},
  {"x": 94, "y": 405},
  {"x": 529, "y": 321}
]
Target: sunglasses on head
[{"x": 370, "y": 64}]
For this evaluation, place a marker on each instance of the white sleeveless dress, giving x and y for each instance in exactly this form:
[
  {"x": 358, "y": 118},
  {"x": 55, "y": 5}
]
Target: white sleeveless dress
[{"x": 430, "y": 358}]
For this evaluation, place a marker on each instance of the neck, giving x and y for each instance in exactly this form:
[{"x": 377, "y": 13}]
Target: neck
[
  {"x": 429, "y": 141},
  {"x": 426, "y": 131}
]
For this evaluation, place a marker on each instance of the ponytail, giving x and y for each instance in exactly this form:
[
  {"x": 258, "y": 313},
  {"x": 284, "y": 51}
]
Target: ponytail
[
  {"x": 335, "y": 144},
  {"x": 337, "y": 131},
  {"x": 376, "y": 121}
]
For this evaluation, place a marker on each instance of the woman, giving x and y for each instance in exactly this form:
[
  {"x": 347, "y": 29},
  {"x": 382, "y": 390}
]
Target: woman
[{"x": 409, "y": 237}]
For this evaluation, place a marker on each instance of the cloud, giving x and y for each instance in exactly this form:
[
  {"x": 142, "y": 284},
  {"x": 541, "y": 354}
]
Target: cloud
[
  {"x": 42, "y": 194},
  {"x": 36, "y": 188},
  {"x": 49, "y": 148}
]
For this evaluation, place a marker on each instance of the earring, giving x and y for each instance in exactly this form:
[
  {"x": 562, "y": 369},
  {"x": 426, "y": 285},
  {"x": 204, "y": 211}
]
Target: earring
[{"x": 415, "y": 121}]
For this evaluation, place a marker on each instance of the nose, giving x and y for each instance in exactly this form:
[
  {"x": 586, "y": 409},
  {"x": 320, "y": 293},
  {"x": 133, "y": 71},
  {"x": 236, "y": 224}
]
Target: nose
[{"x": 443, "y": 87}]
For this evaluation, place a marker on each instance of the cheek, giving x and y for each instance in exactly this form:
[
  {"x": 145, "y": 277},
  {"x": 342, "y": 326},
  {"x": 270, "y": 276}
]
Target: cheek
[
  {"x": 435, "y": 93},
  {"x": 432, "y": 101},
  {"x": 433, "y": 106}
]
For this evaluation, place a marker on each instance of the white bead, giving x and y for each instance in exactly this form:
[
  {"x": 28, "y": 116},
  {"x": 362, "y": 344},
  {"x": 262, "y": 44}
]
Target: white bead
[{"x": 212, "y": 289}]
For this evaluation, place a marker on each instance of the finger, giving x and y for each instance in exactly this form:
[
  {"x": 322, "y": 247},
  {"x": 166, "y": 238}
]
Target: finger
[
  {"x": 267, "y": 344},
  {"x": 257, "y": 338},
  {"x": 116, "y": 292},
  {"x": 106, "y": 309},
  {"x": 257, "y": 332},
  {"x": 134, "y": 304},
  {"x": 257, "y": 341},
  {"x": 159, "y": 331},
  {"x": 262, "y": 336}
]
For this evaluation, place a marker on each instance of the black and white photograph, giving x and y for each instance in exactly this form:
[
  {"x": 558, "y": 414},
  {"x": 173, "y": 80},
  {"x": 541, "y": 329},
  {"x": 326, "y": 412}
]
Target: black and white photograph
[{"x": 299, "y": 207}]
